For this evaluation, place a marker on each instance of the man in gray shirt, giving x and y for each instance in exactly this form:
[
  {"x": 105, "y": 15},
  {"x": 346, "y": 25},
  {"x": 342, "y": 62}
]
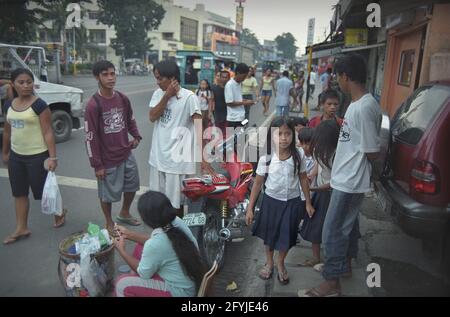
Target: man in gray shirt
[{"x": 284, "y": 89}]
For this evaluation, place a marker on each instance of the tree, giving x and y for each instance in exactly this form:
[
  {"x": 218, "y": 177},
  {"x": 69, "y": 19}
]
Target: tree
[
  {"x": 17, "y": 23},
  {"x": 131, "y": 22},
  {"x": 249, "y": 38},
  {"x": 286, "y": 44}
]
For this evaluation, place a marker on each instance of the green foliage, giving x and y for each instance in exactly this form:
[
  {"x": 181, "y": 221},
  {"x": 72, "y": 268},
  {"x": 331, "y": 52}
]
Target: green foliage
[
  {"x": 131, "y": 22},
  {"x": 17, "y": 23},
  {"x": 286, "y": 44}
]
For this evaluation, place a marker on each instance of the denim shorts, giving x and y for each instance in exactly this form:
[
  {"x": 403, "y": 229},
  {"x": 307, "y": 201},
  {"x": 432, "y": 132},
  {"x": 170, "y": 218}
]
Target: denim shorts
[{"x": 266, "y": 93}]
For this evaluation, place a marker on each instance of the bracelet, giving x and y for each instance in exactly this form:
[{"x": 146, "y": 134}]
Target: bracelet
[{"x": 53, "y": 158}]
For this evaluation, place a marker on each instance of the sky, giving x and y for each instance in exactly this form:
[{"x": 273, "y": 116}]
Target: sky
[{"x": 269, "y": 18}]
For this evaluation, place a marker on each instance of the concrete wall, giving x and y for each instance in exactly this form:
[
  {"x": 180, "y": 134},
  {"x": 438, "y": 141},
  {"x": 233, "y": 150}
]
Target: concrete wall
[{"x": 437, "y": 46}]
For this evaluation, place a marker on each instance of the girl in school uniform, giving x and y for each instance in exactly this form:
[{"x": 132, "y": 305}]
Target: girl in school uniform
[
  {"x": 323, "y": 147},
  {"x": 281, "y": 172}
]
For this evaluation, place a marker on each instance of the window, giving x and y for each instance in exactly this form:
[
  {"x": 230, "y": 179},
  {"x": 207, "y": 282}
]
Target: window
[
  {"x": 97, "y": 36},
  {"x": 417, "y": 113},
  {"x": 168, "y": 36},
  {"x": 93, "y": 15},
  {"x": 406, "y": 68},
  {"x": 189, "y": 31}
]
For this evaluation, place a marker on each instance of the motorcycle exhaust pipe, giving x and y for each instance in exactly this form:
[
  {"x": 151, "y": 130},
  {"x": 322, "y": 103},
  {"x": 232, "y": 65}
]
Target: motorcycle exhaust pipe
[{"x": 230, "y": 234}]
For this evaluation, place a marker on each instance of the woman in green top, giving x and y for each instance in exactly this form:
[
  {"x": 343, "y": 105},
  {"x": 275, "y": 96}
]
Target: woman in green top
[
  {"x": 28, "y": 143},
  {"x": 167, "y": 263},
  {"x": 267, "y": 86},
  {"x": 250, "y": 88}
]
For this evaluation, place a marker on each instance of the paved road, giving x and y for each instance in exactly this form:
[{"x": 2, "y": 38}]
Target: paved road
[{"x": 29, "y": 267}]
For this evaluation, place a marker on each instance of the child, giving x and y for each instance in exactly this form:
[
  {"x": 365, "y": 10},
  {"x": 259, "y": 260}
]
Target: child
[
  {"x": 280, "y": 215},
  {"x": 205, "y": 97},
  {"x": 329, "y": 101},
  {"x": 304, "y": 137},
  {"x": 167, "y": 263},
  {"x": 323, "y": 146}
]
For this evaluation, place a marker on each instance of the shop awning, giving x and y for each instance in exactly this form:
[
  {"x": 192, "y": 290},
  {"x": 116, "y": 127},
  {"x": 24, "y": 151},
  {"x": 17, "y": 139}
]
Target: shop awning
[{"x": 359, "y": 48}]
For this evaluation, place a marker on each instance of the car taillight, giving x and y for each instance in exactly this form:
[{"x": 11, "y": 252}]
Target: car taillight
[{"x": 424, "y": 178}]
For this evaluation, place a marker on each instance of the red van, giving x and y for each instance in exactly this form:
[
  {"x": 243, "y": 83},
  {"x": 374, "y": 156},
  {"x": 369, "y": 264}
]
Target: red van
[{"x": 416, "y": 179}]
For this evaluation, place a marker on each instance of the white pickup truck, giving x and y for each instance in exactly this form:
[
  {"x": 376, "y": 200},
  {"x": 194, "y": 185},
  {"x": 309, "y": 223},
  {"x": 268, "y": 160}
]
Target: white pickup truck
[{"x": 65, "y": 102}]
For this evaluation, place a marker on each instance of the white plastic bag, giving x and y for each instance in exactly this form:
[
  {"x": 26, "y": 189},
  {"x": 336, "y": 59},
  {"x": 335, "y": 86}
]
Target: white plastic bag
[{"x": 51, "y": 203}]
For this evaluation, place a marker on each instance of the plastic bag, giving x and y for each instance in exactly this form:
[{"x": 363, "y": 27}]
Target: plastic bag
[
  {"x": 51, "y": 203},
  {"x": 93, "y": 277}
]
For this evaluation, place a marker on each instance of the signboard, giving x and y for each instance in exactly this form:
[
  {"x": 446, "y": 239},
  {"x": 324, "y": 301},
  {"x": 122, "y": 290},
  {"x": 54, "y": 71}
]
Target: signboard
[
  {"x": 239, "y": 18},
  {"x": 356, "y": 37},
  {"x": 311, "y": 25}
]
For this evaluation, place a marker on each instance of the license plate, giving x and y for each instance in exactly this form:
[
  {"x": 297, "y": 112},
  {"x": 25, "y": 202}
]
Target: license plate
[{"x": 195, "y": 219}]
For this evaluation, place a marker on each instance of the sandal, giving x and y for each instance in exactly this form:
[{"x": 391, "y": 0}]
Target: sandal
[
  {"x": 283, "y": 277},
  {"x": 11, "y": 239},
  {"x": 314, "y": 292},
  {"x": 128, "y": 220},
  {"x": 266, "y": 272},
  {"x": 309, "y": 263},
  {"x": 60, "y": 220}
]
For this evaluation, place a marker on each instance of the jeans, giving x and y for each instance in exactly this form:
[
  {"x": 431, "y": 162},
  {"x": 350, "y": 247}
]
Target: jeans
[
  {"x": 247, "y": 108},
  {"x": 340, "y": 233},
  {"x": 282, "y": 111}
]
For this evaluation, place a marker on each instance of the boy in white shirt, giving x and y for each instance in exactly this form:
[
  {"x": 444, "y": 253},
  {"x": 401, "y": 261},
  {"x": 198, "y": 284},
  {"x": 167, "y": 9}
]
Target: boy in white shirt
[{"x": 359, "y": 144}]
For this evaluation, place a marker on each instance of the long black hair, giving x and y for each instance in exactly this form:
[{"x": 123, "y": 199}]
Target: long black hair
[
  {"x": 156, "y": 211},
  {"x": 278, "y": 122},
  {"x": 324, "y": 142},
  {"x": 16, "y": 73}
]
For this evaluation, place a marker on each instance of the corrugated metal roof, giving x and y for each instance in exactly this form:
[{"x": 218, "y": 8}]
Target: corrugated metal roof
[{"x": 221, "y": 19}]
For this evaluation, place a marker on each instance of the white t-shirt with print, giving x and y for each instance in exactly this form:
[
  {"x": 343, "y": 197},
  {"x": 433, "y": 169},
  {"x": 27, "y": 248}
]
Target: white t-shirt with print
[
  {"x": 204, "y": 103},
  {"x": 281, "y": 184},
  {"x": 233, "y": 93},
  {"x": 360, "y": 134},
  {"x": 173, "y": 140}
]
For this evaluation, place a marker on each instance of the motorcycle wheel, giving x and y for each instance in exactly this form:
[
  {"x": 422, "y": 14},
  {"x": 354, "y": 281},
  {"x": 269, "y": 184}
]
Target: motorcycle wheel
[{"x": 210, "y": 245}]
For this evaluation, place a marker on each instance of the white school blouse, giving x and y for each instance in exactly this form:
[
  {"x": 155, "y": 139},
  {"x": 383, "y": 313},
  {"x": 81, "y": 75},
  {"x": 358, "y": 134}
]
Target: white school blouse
[{"x": 281, "y": 183}]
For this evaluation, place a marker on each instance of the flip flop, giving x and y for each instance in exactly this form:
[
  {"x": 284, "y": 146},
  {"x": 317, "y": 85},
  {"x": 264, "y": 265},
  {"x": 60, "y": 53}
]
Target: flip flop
[
  {"x": 12, "y": 239},
  {"x": 283, "y": 277},
  {"x": 309, "y": 263},
  {"x": 62, "y": 219},
  {"x": 314, "y": 292},
  {"x": 265, "y": 273},
  {"x": 129, "y": 221}
]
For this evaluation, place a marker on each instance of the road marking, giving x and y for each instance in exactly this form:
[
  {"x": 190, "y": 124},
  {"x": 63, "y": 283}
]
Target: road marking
[{"x": 75, "y": 182}]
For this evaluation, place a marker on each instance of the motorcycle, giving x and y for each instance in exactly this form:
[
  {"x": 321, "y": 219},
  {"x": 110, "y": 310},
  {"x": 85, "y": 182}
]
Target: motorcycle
[{"x": 218, "y": 203}]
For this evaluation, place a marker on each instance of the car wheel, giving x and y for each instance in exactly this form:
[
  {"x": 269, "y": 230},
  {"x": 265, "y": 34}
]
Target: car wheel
[{"x": 62, "y": 125}]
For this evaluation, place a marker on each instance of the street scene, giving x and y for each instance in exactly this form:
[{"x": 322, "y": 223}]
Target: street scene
[{"x": 205, "y": 151}]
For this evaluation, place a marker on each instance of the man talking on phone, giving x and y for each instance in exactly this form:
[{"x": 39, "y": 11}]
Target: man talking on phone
[{"x": 174, "y": 110}]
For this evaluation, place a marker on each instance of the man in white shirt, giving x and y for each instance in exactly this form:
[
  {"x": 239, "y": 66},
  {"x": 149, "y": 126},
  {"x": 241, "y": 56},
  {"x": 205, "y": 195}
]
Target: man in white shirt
[
  {"x": 359, "y": 144},
  {"x": 233, "y": 97},
  {"x": 175, "y": 138}
]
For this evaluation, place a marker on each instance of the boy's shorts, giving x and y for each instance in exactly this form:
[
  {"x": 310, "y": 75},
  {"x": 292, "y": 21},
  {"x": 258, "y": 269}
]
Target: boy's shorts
[{"x": 123, "y": 178}]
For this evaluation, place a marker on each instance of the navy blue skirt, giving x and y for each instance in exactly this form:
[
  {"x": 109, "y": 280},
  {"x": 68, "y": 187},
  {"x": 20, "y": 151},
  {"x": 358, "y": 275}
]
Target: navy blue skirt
[
  {"x": 312, "y": 227},
  {"x": 277, "y": 222}
]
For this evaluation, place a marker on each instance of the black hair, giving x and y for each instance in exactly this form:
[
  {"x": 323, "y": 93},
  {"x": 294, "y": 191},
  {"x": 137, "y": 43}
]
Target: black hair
[
  {"x": 305, "y": 135},
  {"x": 168, "y": 69},
  {"x": 300, "y": 121},
  {"x": 286, "y": 73},
  {"x": 328, "y": 94},
  {"x": 241, "y": 68},
  {"x": 278, "y": 122},
  {"x": 208, "y": 87},
  {"x": 354, "y": 66},
  {"x": 101, "y": 66},
  {"x": 324, "y": 142},
  {"x": 16, "y": 73},
  {"x": 156, "y": 211}
]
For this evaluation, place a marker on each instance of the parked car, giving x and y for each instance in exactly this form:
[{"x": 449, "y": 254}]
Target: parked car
[
  {"x": 416, "y": 178},
  {"x": 66, "y": 103}
]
